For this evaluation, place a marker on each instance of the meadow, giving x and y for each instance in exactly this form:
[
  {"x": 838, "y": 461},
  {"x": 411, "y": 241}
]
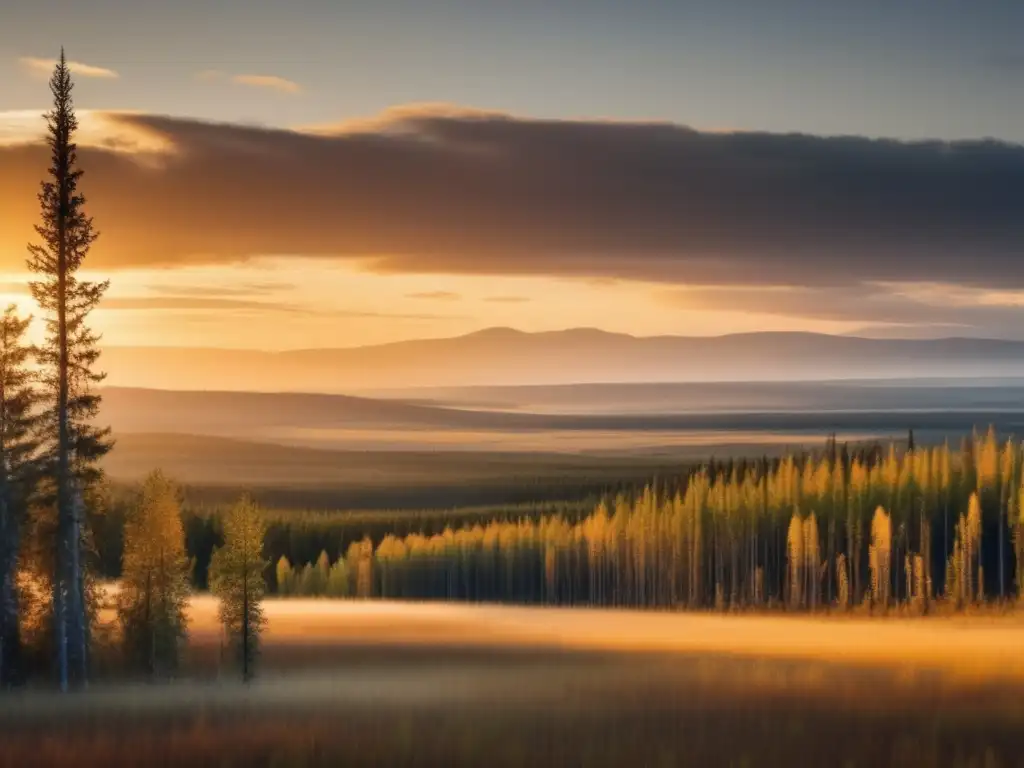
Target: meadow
[{"x": 382, "y": 683}]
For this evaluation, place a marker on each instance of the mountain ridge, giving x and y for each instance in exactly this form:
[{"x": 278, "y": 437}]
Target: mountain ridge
[
  {"x": 504, "y": 356},
  {"x": 496, "y": 331}
]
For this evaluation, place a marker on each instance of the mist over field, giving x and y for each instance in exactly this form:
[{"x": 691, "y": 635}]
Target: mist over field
[
  {"x": 376, "y": 682},
  {"x": 975, "y": 650}
]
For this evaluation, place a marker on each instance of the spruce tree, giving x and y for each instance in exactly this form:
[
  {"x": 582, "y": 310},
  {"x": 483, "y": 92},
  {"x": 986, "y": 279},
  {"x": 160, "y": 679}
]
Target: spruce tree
[
  {"x": 71, "y": 444},
  {"x": 17, "y": 453},
  {"x": 154, "y": 580},
  {"x": 236, "y": 578}
]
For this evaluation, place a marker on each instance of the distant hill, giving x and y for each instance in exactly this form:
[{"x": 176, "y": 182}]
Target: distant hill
[
  {"x": 502, "y": 356},
  {"x": 978, "y": 394},
  {"x": 361, "y": 423}
]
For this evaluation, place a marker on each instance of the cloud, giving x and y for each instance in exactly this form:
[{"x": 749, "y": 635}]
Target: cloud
[
  {"x": 481, "y": 193},
  {"x": 507, "y": 299},
  {"x": 172, "y": 303},
  {"x": 936, "y": 308},
  {"x": 271, "y": 82},
  {"x": 434, "y": 295},
  {"x": 394, "y": 315},
  {"x": 243, "y": 289},
  {"x": 400, "y": 119},
  {"x": 102, "y": 130},
  {"x": 44, "y": 68},
  {"x": 208, "y": 303}
]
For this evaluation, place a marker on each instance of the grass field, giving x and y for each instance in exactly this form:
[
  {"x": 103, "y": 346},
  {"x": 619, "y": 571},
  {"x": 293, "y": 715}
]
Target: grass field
[{"x": 347, "y": 683}]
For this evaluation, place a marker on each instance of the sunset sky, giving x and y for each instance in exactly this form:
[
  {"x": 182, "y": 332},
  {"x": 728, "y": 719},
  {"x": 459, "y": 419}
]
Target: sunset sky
[{"x": 306, "y": 174}]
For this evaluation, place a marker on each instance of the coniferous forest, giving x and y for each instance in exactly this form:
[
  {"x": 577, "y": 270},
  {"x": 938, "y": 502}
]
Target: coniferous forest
[{"x": 882, "y": 529}]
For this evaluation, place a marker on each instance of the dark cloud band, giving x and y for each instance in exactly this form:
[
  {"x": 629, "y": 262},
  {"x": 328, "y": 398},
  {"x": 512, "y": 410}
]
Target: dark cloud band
[{"x": 490, "y": 194}]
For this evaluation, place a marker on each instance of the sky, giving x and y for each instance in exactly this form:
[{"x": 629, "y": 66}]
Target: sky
[{"x": 302, "y": 174}]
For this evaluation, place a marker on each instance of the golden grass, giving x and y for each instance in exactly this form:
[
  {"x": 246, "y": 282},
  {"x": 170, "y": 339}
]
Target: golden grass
[
  {"x": 987, "y": 643},
  {"x": 375, "y": 683}
]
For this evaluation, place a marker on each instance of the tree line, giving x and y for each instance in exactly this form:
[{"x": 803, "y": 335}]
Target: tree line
[
  {"x": 51, "y": 486},
  {"x": 882, "y": 529},
  {"x": 49, "y": 446},
  {"x": 297, "y": 534}
]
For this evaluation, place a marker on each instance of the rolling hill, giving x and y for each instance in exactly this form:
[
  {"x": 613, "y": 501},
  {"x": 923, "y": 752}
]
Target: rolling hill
[{"x": 501, "y": 356}]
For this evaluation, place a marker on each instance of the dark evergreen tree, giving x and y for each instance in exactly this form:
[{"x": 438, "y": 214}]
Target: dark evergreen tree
[
  {"x": 71, "y": 445},
  {"x": 17, "y": 453}
]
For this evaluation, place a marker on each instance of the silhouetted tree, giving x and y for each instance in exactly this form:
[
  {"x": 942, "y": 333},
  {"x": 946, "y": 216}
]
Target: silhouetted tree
[
  {"x": 17, "y": 451},
  {"x": 72, "y": 445}
]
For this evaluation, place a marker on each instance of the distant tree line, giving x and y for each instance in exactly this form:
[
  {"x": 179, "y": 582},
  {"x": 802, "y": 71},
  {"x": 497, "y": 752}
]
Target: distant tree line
[
  {"x": 908, "y": 528},
  {"x": 300, "y": 535}
]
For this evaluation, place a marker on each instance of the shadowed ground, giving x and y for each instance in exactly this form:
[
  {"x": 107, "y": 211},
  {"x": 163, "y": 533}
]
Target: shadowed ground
[{"x": 347, "y": 683}]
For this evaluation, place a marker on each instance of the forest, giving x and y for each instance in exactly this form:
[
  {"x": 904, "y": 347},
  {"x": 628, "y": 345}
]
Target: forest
[{"x": 883, "y": 528}]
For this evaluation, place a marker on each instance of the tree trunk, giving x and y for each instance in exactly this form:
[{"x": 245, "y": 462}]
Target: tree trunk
[
  {"x": 245, "y": 620},
  {"x": 67, "y": 593}
]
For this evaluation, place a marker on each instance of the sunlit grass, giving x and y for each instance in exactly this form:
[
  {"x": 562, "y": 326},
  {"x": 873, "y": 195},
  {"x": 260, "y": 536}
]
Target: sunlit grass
[{"x": 381, "y": 683}]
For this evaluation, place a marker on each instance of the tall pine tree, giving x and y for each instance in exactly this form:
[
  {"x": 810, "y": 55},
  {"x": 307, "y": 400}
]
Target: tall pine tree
[
  {"x": 71, "y": 445},
  {"x": 17, "y": 454}
]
